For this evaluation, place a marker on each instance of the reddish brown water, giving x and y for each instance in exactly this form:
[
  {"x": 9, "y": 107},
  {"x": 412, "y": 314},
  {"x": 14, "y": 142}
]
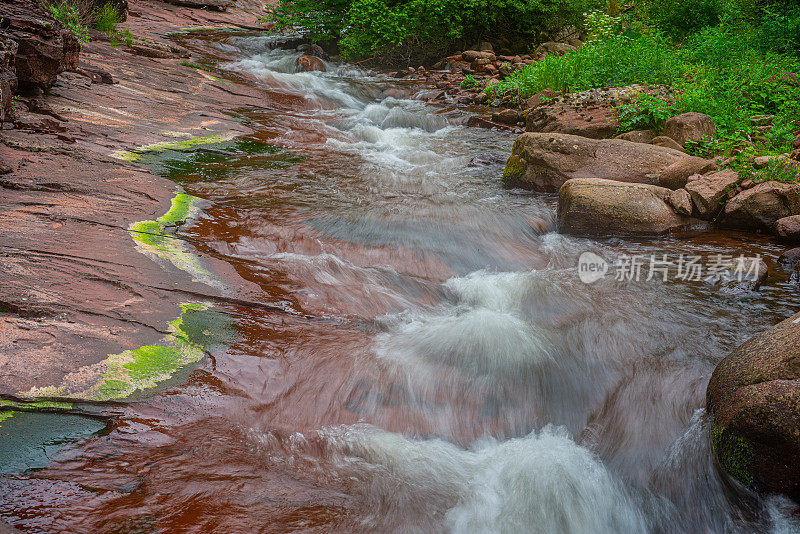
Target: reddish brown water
[{"x": 439, "y": 366}]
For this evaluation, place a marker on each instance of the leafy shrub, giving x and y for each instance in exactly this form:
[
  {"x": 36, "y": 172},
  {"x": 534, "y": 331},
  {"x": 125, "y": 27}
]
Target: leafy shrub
[
  {"x": 685, "y": 16},
  {"x": 469, "y": 82},
  {"x": 646, "y": 112},
  {"x": 107, "y": 18},
  {"x": 124, "y": 35},
  {"x": 780, "y": 31},
  {"x": 399, "y": 30},
  {"x": 70, "y": 17}
]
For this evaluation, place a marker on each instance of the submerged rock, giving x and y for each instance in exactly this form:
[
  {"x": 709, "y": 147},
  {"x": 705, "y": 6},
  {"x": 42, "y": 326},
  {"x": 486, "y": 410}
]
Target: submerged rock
[
  {"x": 544, "y": 161},
  {"x": 589, "y": 206},
  {"x": 754, "y": 400},
  {"x": 790, "y": 257}
]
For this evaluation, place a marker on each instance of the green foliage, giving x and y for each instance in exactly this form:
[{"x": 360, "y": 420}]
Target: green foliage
[
  {"x": 107, "y": 18},
  {"x": 70, "y": 17},
  {"x": 780, "y": 31},
  {"x": 122, "y": 36},
  {"x": 721, "y": 71},
  {"x": 646, "y": 112},
  {"x": 684, "y": 16},
  {"x": 617, "y": 61},
  {"x": 469, "y": 82},
  {"x": 421, "y": 29},
  {"x": 777, "y": 170}
]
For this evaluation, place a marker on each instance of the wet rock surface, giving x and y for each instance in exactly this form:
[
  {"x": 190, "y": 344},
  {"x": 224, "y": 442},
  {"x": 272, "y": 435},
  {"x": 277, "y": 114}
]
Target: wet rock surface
[
  {"x": 754, "y": 399},
  {"x": 544, "y": 161},
  {"x": 589, "y": 206}
]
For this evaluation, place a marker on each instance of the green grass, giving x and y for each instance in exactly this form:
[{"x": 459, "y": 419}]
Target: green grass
[
  {"x": 720, "y": 71},
  {"x": 106, "y": 18},
  {"x": 69, "y": 17}
]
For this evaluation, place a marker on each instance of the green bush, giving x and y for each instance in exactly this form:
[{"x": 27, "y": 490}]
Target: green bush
[
  {"x": 685, "y": 16},
  {"x": 469, "y": 82},
  {"x": 646, "y": 112},
  {"x": 780, "y": 31},
  {"x": 70, "y": 17},
  {"x": 107, "y": 18},
  {"x": 618, "y": 61},
  {"x": 406, "y": 30}
]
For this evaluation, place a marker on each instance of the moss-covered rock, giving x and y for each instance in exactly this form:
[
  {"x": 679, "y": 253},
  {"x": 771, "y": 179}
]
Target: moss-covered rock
[{"x": 754, "y": 399}]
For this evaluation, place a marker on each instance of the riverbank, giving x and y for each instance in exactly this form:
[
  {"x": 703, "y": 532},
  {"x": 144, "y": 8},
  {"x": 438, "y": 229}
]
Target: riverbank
[{"x": 74, "y": 288}]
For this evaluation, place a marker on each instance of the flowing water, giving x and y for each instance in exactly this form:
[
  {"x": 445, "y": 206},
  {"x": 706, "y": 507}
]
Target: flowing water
[{"x": 437, "y": 365}]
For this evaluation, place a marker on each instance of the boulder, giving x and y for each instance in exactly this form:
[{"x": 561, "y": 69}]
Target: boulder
[
  {"x": 677, "y": 175},
  {"x": 788, "y": 229},
  {"x": 709, "y": 192},
  {"x": 690, "y": 127},
  {"x": 762, "y": 206},
  {"x": 544, "y": 161},
  {"x": 638, "y": 136},
  {"x": 507, "y": 116},
  {"x": 681, "y": 202},
  {"x": 790, "y": 257},
  {"x": 663, "y": 140},
  {"x": 472, "y": 55},
  {"x": 588, "y": 206},
  {"x": 753, "y": 398},
  {"x": 310, "y": 64},
  {"x": 45, "y": 48}
]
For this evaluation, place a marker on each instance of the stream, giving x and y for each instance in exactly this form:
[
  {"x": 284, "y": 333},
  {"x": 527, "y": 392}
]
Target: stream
[{"x": 432, "y": 363}]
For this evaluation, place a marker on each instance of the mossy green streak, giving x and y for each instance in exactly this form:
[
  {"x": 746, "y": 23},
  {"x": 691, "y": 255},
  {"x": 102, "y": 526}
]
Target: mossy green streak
[{"x": 734, "y": 453}]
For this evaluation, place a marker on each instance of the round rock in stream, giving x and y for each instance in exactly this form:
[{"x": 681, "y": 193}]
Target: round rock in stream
[{"x": 754, "y": 399}]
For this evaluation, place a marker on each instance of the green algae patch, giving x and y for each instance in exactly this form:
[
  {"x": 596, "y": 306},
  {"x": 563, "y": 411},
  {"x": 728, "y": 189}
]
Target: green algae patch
[
  {"x": 38, "y": 405},
  {"x": 199, "y": 328},
  {"x": 135, "y": 154},
  {"x": 157, "y": 239},
  {"x": 218, "y": 161},
  {"x": 734, "y": 454},
  {"x": 514, "y": 170}
]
